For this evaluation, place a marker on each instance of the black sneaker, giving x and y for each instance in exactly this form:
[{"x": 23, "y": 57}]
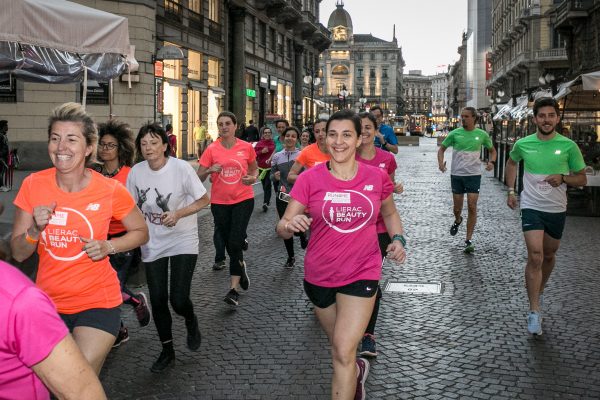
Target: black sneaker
[
  {"x": 166, "y": 358},
  {"x": 232, "y": 297},
  {"x": 265, "y": 207},
  {"x": 454, "y": 227},
  {"x": 218, "y": 265},
  {"x": 303, "y": 241},
  {"x": 193, "y": 334},
  {"x": 122, "y": 337},
  {"x": 141, "y": 310},
  {"x": 291, "y": 261},
  {"x": 244, "y": 279},
  {"x": 245, "y": 245}
]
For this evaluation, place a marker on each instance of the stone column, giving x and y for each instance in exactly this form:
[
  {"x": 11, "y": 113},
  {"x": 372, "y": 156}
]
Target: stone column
[
  {"x": 237, "y": 90},
  {"x": 298, "y": 82}
]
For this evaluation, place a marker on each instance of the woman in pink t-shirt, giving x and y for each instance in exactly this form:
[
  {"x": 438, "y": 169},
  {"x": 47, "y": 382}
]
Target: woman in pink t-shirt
[
  {"x": 264, "y": 151},
  {"x": 344, "y": 198},
  {"x": 231, "y": 162},
  {"x": 367, "y": 153}
]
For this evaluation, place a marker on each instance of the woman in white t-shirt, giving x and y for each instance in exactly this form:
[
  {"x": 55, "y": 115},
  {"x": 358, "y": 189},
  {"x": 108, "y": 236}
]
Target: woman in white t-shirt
[
  {"x": 169, "y": 194},
  {"x": 342, "y": 265}
]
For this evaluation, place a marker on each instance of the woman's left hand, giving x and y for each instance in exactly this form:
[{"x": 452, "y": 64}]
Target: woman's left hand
[
  {"x": 398, "y": 188},
  {"x": 169, "y": 218},
  {"x": 96, "y": 249},
  {"x": 396, "y": 252},
  {"x": 249, "y": 180}
]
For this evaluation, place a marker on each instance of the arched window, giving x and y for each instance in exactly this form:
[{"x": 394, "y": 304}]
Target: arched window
[{"x": 339, "y": 70}]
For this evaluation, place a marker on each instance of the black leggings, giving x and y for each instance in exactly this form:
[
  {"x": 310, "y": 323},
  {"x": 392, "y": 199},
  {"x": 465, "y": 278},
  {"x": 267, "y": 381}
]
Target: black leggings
[
  {"x": 289, "y": 243},
  {"x": 384, "y": 240},
  {"x": 157, "y": 274},
  {"x": 266, "y": 185},
  {"x": 232, "y": 221}
]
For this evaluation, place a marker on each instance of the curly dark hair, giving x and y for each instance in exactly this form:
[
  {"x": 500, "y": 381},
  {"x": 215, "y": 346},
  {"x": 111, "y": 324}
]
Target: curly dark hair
[{"x": 122, "y": 132}]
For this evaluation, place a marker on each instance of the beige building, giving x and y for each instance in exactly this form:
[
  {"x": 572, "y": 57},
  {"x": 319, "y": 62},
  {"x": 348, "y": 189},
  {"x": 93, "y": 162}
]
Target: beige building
[
  {"x": 457, "y": 83},
  {"x": 525, "y": 48},
  {"x": 417, "y": 93},
  {"x": 439, "y": 97},
  {"x": 360, "y": 70},
  {"x": 196, "y": 58}
]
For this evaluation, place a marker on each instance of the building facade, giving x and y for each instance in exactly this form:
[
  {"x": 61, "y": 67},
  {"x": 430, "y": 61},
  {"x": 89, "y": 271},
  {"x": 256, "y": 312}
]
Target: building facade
[
  {"x": 439, "y": 97},
  {"x": 417, "y": 93},
  {"x": 525, "y": 48},
  {"x": 457, "y": 84},
  {"x": 360, "y": 70},
  {"x": 196, "y": 58}
]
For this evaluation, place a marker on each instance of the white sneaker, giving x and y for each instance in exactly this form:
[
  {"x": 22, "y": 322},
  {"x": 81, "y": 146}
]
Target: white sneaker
[{"x": 4, "y": 189}]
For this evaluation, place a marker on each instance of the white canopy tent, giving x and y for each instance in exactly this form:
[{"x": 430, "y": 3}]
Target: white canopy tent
[
  {"x": 58, "y": 41},
  {"x": 582, "y": 93}
]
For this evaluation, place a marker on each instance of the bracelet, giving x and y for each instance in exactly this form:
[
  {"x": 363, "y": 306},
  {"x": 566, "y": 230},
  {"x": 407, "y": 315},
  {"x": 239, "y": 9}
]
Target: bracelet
[
  {"x": 112, "y": 248},
  {"x": 399, "y": 238},
  {"x": 511, "y": 192},
  {"x": 31, "y": 240},
  {"x": 563, "y": 178}
]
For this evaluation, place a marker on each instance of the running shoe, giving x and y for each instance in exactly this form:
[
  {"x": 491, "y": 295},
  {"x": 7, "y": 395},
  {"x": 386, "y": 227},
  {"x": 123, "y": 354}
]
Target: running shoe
[
  {"x": 469, "y": 247},
  {"x": 194, "y": 338},
  {"x": 232, "y": 297},
  {"x": 4, "y": 189},
  {"x": 303, "y": 241},
  {"x": 534, "y": 323},
  {"x": 265, "y": 207},
  {"x": 291, "y": 261},
  {"x": 363, "y": 372},
  {"x": 122, "y": 337},
  {"x": 368, "y": 347},
  {"x": 244, "y": 279},
  {"x": 166, "y": 358},
  {"x": 218, "y": 265},
  {"x": 245, "y": 245},
  {"x": 454, "y": 227},
  {"x": 141, "y": 310}
]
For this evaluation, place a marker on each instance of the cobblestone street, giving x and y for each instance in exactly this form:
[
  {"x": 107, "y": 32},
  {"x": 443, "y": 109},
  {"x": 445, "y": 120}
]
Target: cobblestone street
[{"x": 468, "y": 342}]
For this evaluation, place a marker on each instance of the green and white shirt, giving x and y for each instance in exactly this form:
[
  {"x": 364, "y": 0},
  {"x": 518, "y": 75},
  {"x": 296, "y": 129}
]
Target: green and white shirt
[
  {"x": 559, "y": 155},
  {"x": 466, "y": 148}
]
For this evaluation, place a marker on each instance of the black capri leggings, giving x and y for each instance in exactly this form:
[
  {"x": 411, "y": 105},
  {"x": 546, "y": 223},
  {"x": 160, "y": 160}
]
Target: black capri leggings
[
  {"x": 232, "y": 221},
  {"x": 157, "y": 274}
]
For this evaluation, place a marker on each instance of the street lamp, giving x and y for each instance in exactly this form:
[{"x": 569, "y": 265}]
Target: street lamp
[
  {"x": 342, "y": 96},
  {"x": 312, "y": 81}
]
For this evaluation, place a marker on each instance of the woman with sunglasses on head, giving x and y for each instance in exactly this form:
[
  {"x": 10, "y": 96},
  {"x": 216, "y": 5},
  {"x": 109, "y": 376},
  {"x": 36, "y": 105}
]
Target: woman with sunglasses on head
[
  {"x": 169, "y": 194},
  {"x": 369, "y": 154},
  {"x": 342, "y": 265},
  {"x": 116, "y": 152},
  {"x": 64, "y": 213}
]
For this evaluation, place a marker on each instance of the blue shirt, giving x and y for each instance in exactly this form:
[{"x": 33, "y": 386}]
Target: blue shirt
[{"x": 388, "y": 135}]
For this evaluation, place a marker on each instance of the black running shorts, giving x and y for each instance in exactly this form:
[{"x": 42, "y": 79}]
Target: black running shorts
[{"x": 323, "y": 297}]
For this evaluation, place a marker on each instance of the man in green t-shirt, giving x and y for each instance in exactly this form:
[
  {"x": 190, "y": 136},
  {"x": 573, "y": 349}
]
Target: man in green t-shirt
[
  {"x": 552, "y": 162},
  {"x": 465, "y": 172}
]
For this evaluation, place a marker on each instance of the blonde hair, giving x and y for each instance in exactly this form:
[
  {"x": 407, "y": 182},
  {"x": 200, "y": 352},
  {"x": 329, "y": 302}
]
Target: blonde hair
[{"x": 75, "y": 112}]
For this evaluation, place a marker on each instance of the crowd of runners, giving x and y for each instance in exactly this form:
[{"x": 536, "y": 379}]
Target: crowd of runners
[{"x": 95, "y": 214}]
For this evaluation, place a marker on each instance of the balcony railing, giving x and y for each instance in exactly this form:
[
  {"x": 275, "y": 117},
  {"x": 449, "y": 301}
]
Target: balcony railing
[
  {"x": 550, "y": 55},
  {"x": 571, "y": 9}
]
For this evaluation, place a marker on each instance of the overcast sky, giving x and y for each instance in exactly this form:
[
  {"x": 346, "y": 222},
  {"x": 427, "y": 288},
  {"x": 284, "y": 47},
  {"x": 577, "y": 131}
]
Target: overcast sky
[{"x": 429, "y": 31}]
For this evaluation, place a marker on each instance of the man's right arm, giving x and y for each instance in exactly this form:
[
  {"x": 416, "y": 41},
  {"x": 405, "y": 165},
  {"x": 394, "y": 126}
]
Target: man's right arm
[
  {"x": 67, "y": 373},
  {"x": 440, "y": 157}
]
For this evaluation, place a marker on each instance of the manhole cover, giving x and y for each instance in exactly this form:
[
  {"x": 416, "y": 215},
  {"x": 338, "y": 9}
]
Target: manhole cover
[{"x": 415, "y": 287}]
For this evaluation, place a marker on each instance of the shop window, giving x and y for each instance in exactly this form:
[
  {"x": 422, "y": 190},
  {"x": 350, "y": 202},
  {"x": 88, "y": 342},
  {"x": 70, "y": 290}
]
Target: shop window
[
  {"x": 194, "y": 65},
  {"x": 172, "y": 69},
  {"x": 214, "y": 68},
  {"x": 8, "y": 89}
]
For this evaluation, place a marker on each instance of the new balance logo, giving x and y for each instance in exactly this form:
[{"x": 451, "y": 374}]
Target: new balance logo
[
  {"x": 93, "y": 207},
  {"x": 368, "y": 187}
]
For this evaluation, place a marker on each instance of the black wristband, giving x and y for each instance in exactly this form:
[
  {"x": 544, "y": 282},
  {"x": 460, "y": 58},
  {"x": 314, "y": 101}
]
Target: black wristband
[{"x": 399, "y": 238}]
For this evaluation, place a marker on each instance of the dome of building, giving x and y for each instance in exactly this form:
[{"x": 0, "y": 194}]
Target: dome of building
[{"x": 339, "y": 17}]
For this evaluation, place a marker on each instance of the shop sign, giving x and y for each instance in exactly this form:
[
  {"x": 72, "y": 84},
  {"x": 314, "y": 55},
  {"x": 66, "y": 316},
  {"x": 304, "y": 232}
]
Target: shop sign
[
  {"x": 158, "y": 68},
  {"x": 250, "y": 92},
  {"x": 159, "y": 96},
  {"x": 264, "y": 81}
]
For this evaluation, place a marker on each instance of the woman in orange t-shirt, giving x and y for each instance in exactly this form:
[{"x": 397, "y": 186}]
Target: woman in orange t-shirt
[
  {"x": 232, "y": 165},
  {"x": 116, "y": 151},
  {"x": 64, "y": 213}
]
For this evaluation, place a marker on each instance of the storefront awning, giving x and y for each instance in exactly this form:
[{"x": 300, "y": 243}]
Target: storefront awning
[{"x": 581, "y": 94}]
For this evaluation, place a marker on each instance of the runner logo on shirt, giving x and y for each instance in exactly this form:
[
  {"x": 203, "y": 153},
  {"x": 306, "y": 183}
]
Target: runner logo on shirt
[
  {"x": 346, "y": 211},
  {"x": 231, "y": 174},
  {"x": 62, "y": 243}
]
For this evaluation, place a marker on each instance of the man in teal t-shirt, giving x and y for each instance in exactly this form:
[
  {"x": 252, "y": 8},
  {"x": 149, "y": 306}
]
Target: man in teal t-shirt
[
  {"x": 552, "y": 162},
  {"x": 465, "y": 172}
]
